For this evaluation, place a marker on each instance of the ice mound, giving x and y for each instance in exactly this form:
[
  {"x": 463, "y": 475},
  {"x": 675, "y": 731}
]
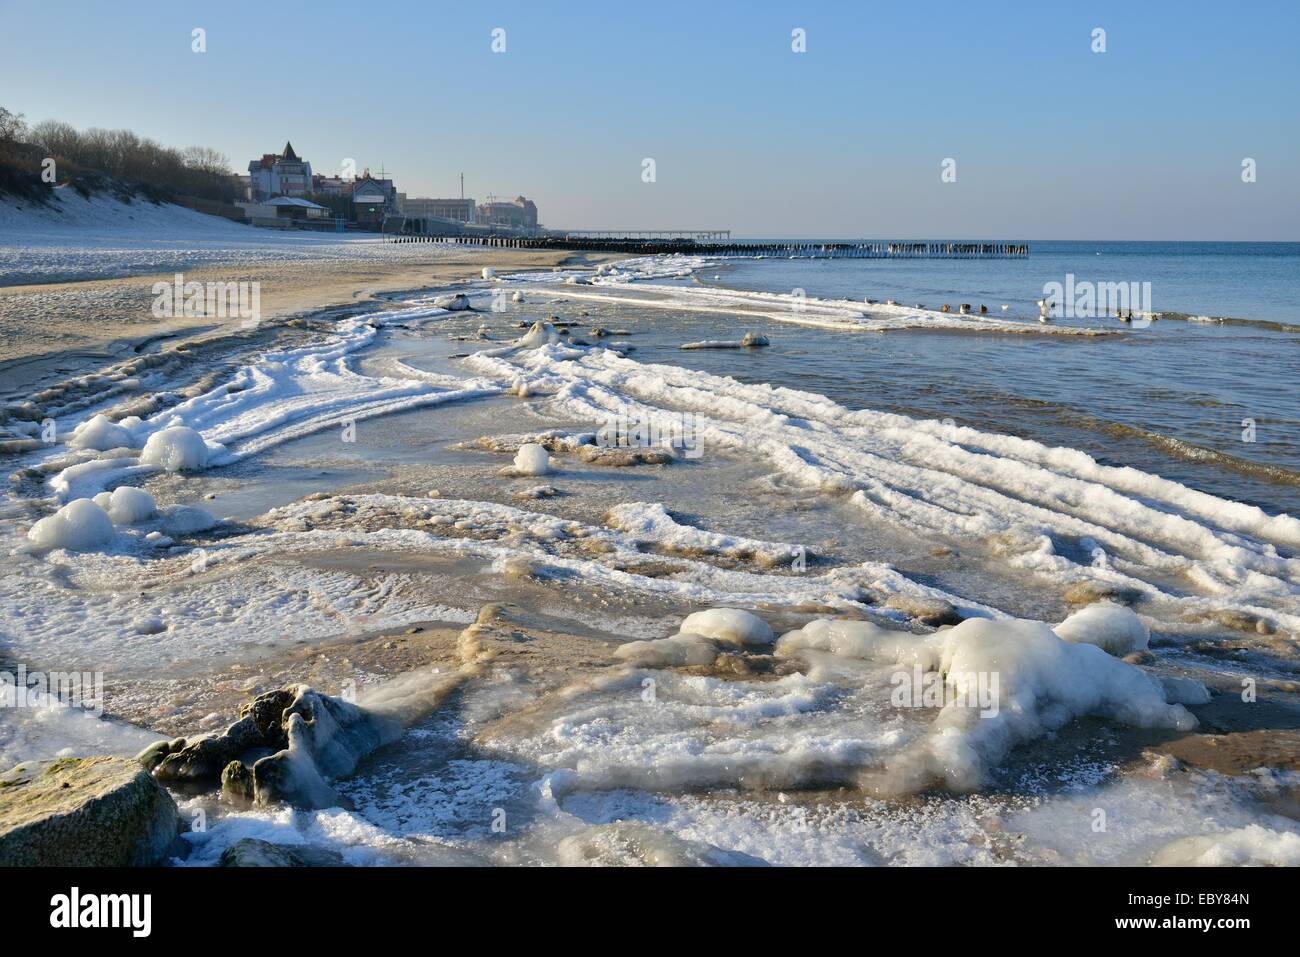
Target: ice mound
[
  {"x": 452, "y": 303},
  {"x": 681, "y": 649},
  {"x": 126, "y": 505},
  {"x": 79, "y": 525},
  {"x": 540, "y": 333},
  {"x": 728, "y": 625},
  {"x": 1004, "y": 683},
  {"x": 1112, "y": 628},
  {"x": 531, "y": 459},
  {"x": 101, "y": 435},
  {"x": 176, "y": 449},
  {"x": 1252, "y": 845},
  {"x": 187, "y": 519},
  {"x": 489, "y": 272}
]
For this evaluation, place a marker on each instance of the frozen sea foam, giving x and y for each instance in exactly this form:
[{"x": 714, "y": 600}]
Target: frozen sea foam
[
  {"x": 1110, "y": 627},
  {"x": 79, "y": 525},
  {"x": 176, "y": 449},
  {"x": 532, "y": 459},
  {"x": 731, "y": 626},
  {"x": 126, "y": 505},
  {"x": 1005, "y": 683},
  {"x": 101, "y": 434}
]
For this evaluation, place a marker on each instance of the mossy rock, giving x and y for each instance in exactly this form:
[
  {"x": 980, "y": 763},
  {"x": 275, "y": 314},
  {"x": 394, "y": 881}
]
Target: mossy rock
[{"x": 84, "y": 812}]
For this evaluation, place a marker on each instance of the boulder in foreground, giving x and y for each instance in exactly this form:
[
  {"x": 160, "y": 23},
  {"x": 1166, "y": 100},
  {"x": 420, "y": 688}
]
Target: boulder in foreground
[{"x": 84, "y": 812}]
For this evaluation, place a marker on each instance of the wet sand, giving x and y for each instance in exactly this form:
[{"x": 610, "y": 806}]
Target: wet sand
[{"x": 57, "y": 328}]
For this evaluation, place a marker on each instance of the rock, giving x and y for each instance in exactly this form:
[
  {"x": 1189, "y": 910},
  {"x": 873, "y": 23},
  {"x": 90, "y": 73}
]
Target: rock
[
  {"x": 84, "y": 812},
  {"x": 1091, "y": 592},
  {"x": 250, "y": 852},
  {"x": 237, "y": 782},
  {"x": 283, "y": 747},
  {"x": 928, "y": 611},
  {"x": 153, "y": 755},
  {"x": 326, "y": 737}
]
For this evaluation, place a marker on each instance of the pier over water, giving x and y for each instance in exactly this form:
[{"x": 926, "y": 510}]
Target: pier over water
[{"x": 654, "y": 246}]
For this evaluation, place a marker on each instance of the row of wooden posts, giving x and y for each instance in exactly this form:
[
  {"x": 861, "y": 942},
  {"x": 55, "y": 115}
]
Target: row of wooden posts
[{"x": 944, "y": 250}]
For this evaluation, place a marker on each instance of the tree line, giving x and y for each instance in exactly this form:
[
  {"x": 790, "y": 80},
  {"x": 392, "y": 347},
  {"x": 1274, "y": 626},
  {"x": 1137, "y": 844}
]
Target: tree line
[{"x": 132, "y": 161}]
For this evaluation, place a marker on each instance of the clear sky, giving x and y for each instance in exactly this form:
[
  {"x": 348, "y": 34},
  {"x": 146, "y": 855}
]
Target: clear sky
[{"x": 1051, "y": 140}]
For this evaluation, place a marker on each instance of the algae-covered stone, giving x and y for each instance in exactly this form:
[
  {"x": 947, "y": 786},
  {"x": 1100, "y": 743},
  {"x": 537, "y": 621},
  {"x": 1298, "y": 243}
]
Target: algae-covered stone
[
  {"x": 250, "y": 852},
  {"x": 84, "y": 812}
]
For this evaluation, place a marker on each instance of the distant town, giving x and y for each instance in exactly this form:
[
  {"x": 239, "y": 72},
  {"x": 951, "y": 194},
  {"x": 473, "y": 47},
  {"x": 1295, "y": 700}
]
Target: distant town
[{"x": 280, "y": 190}]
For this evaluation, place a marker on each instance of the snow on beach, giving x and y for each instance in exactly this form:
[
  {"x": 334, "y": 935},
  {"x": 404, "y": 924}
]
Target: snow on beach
[
  {"x": 600, "y": 772},
  {"x": 99, "y": 237}
]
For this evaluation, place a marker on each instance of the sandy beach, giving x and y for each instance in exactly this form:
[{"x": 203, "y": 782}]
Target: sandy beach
[{"x": 56, "y": 328}]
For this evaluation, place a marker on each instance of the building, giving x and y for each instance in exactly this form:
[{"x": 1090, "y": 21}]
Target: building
[
  {"x": 519, "y": 213},
  {"x": 279, "y": 174},
  {"x": 331, "y": 185},
  {"x": 293, "y": 207},
  {"x": 373, "y": 200},
  {"x": 460, "y": 210}
]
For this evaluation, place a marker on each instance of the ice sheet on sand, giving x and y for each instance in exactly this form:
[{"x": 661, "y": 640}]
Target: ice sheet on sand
[
  {"x": 1005, "y": 683},
  {"x": 1112, "y": 628},
  {"x": 79, "y": 525},
  {"x": 281, "y": 396},
  {"x": 651, "y": 522},
  {"x": 48, "y": 727}
]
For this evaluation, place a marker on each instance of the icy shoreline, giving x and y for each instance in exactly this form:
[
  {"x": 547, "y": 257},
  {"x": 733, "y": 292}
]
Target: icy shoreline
[{"x": 1191, "y": 565}]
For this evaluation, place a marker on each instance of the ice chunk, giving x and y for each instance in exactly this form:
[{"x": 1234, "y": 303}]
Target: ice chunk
[
  {"x": 1112, "y": 628},
  {"x": 452, "y": 303},
  {"x": 1005, "y": 682},
  {"x": 100, "y": 434},
  {"x": 79, "y": 525},
  {"x": 1250, "y": 845},
  {"x": 729, "y": 625},
  {"x": 681, "y": 649},
  {"x": 489, "y": 272},
  {"x": 1184, "y": 691},
  {"x": 175, "y": 449},
  {"x": 127, "y": 505},
  {"x": 532, "y": 460},
  {"x": 540, "y": 333}
]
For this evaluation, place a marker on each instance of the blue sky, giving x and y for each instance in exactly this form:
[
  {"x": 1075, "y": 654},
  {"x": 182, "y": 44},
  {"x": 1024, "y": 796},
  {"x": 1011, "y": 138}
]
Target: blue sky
[{"x": 1051, "y": 140}]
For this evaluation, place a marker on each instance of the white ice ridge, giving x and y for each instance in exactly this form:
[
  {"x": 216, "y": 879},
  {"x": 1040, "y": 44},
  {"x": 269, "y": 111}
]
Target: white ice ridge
[
  {"x": 283, "y": 395},
  {"x": 1055, "y": 512},
  {"x": 841, "y": 314}
]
